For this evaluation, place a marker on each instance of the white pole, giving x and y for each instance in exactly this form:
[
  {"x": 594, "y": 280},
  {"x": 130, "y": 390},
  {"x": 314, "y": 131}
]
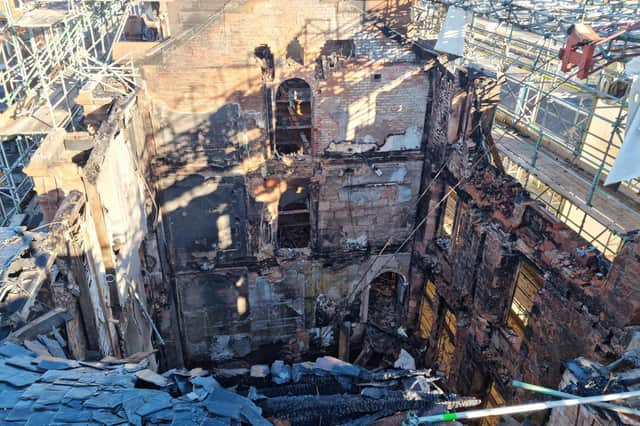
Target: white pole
[
  {"x": 524, "y": 408},
  {"x": 556, "y": 393}
]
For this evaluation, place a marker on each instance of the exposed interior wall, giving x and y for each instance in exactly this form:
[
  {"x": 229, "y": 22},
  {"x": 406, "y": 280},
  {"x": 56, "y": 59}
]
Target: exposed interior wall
[
  {"x": 359, "y": 206},
  {"x": 108, "y": 169},
  {"x": 378, "y": 124},
  {"x": 224, "y": 187}
]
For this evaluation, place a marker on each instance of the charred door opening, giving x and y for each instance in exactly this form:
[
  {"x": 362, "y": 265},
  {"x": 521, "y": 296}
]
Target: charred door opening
[
  {"x": 293, "y": 117},
  {"x": 294, "y": 224},
  {"x": 383, "y": 319},
  {"x": 383, "y": 301}
]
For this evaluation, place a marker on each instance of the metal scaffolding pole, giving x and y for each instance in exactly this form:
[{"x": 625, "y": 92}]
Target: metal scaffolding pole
[
  {"x": 575, "y": 121},
  {"x": 45, "y": 61}
]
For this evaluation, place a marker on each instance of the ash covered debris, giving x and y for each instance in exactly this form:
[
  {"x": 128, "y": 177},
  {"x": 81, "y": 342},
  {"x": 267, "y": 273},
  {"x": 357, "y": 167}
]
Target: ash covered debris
[
  {"x": 33, "y": 299},
  {"x": 585, "y": 377},
  {"x": 331, "y": 392},
  {"x": 41, "y": 386}
]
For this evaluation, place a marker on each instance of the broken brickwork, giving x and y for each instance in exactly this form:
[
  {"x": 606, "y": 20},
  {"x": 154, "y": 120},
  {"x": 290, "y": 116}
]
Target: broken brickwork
[
  {"x": 313, "y": 126},
  {"x": 253, "y": 201},
  {"x": 499, "y": 231},
  {"x": 342, "y": 135},
  {"x": 104, "y": 172}
]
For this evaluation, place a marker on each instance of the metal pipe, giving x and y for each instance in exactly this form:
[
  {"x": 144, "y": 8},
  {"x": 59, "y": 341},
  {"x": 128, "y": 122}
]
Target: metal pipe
[
  {"x": 534, "y": 158},
  {"x": 603, "y": 164},
  {"x": 553, "y": 392},
  {"x": 525, "y": 408}
]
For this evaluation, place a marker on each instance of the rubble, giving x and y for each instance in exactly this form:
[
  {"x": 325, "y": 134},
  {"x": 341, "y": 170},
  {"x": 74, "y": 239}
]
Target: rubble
[
  {"x": 584, "y": 377},
  {"x": 405, "y": 361},
  {"x": 39, "y": 386},
  {"x": 260, "y": 370},
  {"x": 280, "y": 372},
  {"x": 43, "y": 389},
  {"x": 330, "y": 391}
]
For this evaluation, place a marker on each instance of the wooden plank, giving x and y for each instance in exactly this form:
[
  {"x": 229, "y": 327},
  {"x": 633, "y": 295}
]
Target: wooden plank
[
  {"x": 556, "y": 174},
  {"x": 41, "y": 325}
]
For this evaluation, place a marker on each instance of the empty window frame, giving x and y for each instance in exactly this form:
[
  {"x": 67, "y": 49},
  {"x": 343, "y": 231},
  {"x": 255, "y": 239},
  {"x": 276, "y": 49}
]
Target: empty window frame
[
  {"x": 427, "y": 316},
  {"x": 528, "y": 282},
  {"x": 293, "y": 117},
  {"x": 446, "y": 342},
  {"x": 449, "y": 213},
  {"x": 493, "y": 400},
  {"x": 294, "y": 219}
]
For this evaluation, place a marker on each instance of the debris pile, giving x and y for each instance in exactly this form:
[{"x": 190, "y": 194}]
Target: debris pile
[
  {"x": 585, "y": 378},
  {"x": 38, "y": 388},
  {"x": 21, "y": 277},
  {"x": 333, "y": 392}
]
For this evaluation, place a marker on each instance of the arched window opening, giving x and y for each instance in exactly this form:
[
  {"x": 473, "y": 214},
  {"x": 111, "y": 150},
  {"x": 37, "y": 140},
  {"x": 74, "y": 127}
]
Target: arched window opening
[
  {"x": 384, "y": 300},
  {"x": 293, "y": 117}
]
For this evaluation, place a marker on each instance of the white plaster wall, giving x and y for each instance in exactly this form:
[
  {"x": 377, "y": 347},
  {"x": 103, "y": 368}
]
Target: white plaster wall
[{"x": 121, "y": 193}]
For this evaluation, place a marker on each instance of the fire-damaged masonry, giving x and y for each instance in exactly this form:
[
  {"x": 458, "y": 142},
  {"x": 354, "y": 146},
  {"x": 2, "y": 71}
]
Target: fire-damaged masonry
[{"x": 289, "y": 183}]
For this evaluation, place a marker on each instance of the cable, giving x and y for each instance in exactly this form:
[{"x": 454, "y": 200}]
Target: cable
[{"x": 46, "y": 225}]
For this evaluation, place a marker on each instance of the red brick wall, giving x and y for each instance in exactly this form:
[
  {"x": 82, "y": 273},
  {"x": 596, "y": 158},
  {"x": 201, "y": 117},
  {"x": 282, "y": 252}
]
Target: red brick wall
[{"x": 581, "y": 310}]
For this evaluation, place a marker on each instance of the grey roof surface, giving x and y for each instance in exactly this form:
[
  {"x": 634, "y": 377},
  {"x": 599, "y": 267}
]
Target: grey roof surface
[
  {"x": 39, "y": 389},
  {"x": 12, "y": 244}
]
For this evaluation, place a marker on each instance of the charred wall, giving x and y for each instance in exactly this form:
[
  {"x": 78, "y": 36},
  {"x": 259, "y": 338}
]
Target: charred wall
[
  {"x": 224, "y": 101},
  {"x": 500, "y": 236},
  {"x": 105, "y": 174}
]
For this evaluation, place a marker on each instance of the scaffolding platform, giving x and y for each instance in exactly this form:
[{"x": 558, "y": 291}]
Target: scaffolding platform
[
  {"x": 35, "y": 124},
  {"x": 605, "y": 208},
  {"x": 42, "y": 18}
]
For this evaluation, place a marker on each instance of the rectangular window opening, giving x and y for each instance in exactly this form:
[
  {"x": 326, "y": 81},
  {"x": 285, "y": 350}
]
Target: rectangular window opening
[
  {"x": 449, "y": 213},
  {"x": 528, "y": 282},
  {"x": 446, "y": 343},
  {"x": 427, "y": 310},
  {"x": 294, "y": 219},
  {"x": 493, "y": 400}
]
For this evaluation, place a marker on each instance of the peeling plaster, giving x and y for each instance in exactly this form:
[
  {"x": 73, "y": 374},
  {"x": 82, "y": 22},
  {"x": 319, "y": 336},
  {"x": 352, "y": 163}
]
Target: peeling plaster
[{"x": 410, "y": 139}]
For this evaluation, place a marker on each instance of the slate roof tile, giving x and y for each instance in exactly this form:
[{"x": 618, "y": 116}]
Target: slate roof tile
[
  {"x": 79, "y": 394},
  {"x": 66, "y": 414},
  {"x": 20, "y": 412},
  {"x": 40, "y": 418},
  {"x": 217, "y": 421},
  {"x": 8, "y": 399},
  {"x": 107, "y": 418},
  {"x": 9, "y": 350},
  {"x": 50, "y": 397},
  {"x": 104, "y": 400},
  {"x": 24, "y": 362},
  {"x": 21, "y": 378},
  {"x": 157, "y": 403}
]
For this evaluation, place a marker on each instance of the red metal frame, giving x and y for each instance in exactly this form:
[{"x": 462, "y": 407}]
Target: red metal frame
[{"x": 581, "y": 46}]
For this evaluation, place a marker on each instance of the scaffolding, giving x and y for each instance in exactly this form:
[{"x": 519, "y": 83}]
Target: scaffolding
[
  {"x": 580, "y": 123},
  {"x": 50, "y": 50},
  {"x": 551, "y": 18},
  {"x": 522, "y": 39}
]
